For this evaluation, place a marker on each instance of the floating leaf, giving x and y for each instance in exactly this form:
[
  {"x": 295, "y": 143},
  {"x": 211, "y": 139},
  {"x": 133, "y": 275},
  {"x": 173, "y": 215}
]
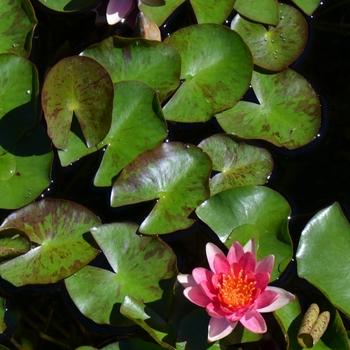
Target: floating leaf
[
  {"x": 2, "y": 315},
  {"x": 239, "y": 164},
  {"x": 325, "y": 238},
  {"x": 143, "y": 268},
  {"x": 56, "y": 228},
  {"x": 78, "y": 85},
  {"x": 277, "y": 47},
  {"x": 175, "y": 174},
  {"x": 216, "y": 72},
  {"x": 151, "y": 62},
  {"x": 228, "y": 213},
  {"x": 308, "y": 6},
  {"x": 288, "y": 113},
  {"x": 68, "y": 5},
  {"x": 212, "y": 12},
  {"x": 13, "y": 242},
  {"x": 17, "y": 23}
]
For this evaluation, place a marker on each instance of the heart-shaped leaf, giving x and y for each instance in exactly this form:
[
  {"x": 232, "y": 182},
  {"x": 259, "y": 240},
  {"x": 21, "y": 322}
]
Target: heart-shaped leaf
[
  {"x": 239, "y": 164},
  {"x": 135, "y": 105},
  {"x": 68, "y": 5},
  {"x": 168, "y": 173},
  {"x": 13, "y": 242},
  {"x": 212, "y": 12},
  {"x": 78, "y": 85},
  {"x": 308, "y": 6},
  {"x": 232, "y": 212},
  {"x": 277, "y": 47},
  {"x": 325, "y": 238},
  {"x": 143, "y": 268},
  {"x": 288, "y": 113},
  {"x": 17, "y": 23},
  {"x": 263, "y": 11},
  {"x": 151, "y": 62},
  {"x": 56, "y": 228},
  {"x": 216, "y": 72}
]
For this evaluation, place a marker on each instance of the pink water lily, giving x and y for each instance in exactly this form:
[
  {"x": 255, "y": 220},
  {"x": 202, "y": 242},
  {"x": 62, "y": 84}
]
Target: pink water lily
[{"x": 235, "y": 289}]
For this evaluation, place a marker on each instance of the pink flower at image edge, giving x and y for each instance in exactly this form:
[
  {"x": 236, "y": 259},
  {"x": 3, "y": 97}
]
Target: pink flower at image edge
[{"x": 235, "y": 289}]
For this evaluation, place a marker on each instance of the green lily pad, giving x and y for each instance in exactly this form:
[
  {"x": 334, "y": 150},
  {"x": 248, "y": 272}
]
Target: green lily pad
[
  {"x": 17, "y": 23},
  {"x": 239, "y": 164},
  {"x": 68, "y": 5},
  {"x": 167, "y": 173},
  {"x": 232, "y": 213},
  {"x": 278, "y": 46},
  {"x": 142, "y": 268},
  {"x": 325, "y": 238},
  {"x": 216, "y": 72},
  {"x": 288, "y": 113},
  {"x": 308, "y": 6},
  {"x": 78, "y": 85},
  {"x": 212, "y": 12},
  {"x": 263, "y": 11},
  {"x": 135, "y": 105},
  {"x": 132, "y": 344},
  {"x": 151, "y": 62},
  {"x": 56, "y": 228},
  {"x": 2, "y": 315},
  {"x": 13, "y": 242}
]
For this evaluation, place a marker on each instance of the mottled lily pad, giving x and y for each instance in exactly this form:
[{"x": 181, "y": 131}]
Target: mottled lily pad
[{"x": 13, "y": 242}]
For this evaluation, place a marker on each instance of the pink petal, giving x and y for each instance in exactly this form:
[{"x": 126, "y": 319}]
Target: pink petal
[
  {"x": 262, "y": 280},
  {"x": 196, "y": 295},
  {"x": 265, "y": 299},
  {"x": 214, "y": 310},
  {"x": 254, "y": 322},
  {"x": 248, "y": 262},
  {"x": 265, "y": 264},
  {"x": 235, "y": 253},
  {"x": 219, "y": 328},
  {"x": 186, "y": 280},
  {"x": 283, "y": 299},
  {"x": 221, "y": 265},
  {"x": 209, "y": 290},
  {"x": 212, "y": 250},
  {"x": 201, "y": 274},
  {"x": 118, "y": 9},
  {"x": 250, "y": 247}
]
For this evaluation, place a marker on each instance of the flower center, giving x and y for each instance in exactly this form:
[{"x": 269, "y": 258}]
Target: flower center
[{"x": 235, "y": 291}]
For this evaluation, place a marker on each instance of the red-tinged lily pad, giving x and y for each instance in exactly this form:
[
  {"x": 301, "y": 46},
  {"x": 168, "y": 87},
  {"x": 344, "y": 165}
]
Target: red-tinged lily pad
[
  {"x": 80, "y": 86},
  {"x": 174, "y": 173},
  {"x": 288, "y": 113},
  {"x": 238, "y": 164},
  {"x": 263, "y": 11},
  {"x": 68, "y": 5},
  {"x": 17, "y": 23},
  {"x": 13, "y": 242},
  {"x": 308, "y": 6},
  {"x": 278, "y": 46},
  {"x": 56, "y": 229},
  {"x": 142, "y": 267},
  {"x": 237, "y": 213},
  {"x": 216, "y": 72},
  {"x": 135, "y": 105},
  {"x": 151, "y": 62},
  {"x": 212, "y": 12},
  {"x": 323, "y": 255}
]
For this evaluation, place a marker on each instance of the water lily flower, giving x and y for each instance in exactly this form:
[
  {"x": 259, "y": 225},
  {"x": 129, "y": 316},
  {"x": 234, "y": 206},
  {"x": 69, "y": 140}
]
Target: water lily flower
[{"x": 235, "y": 289}]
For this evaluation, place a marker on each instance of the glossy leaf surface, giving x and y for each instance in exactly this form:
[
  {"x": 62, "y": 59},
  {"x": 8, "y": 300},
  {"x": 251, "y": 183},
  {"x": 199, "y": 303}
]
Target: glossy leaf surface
[
  {"x": 68, "y": 5},
  {"x": 216, "y": 71},
  {"x": 251, "y": 212},
  {"x": 264, "y": 11},
  {"x": 174, "y": 173},
  {"x": 142, "y": 267},
  {"x": 288, "y": 113},
  {"x": 80, "y": 86},
  {"x": 212, "y": 12},
  {"x": 13, "y": 242},
  {"x": 308, "y": 6},
  {"x": 239, "y": 164},
  {"x": 56, "y": 228}
]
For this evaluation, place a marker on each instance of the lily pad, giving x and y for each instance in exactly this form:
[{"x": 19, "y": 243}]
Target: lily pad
[
  {"x": 13, "y": 242},
  {"x": 151, "y": 62},
  {"x": 142, "y": 268},
  {"x": 212, "y": 12},
  {"x": 278, "y": 46},
  {"x": 216, "y": 72},
  {"x": 239, "y": 164},
  {"x": 288, "y": 113},
  {"x": 308, "y": 6},
  {"x": 2, "y": 315},
  {"x": 174, "y": 173},
  {"x": 325, "y": 238},
  {"x": 68, "y": 5},
  {"x": 230, "y": 213},
  {"x": 17, "y": 23},
  {"x": 135, "y": 105},
  {"x": 80, "y": 86},
  {"x": 56, "y": 228}
]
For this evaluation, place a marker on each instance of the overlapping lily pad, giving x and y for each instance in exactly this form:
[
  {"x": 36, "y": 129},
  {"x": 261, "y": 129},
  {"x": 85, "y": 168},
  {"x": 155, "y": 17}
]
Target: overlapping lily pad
[
  {"x": 278, "y": 46},
  {"x": 175, "y": 174},
  {"x": 77, "y": 86},
  {"x": 17, "y": 23},
  {"x": 151, "y": 62},
  {"x": 308, "y": 6},
  {"x": 288, "y": 113},
  {"x": 68, "y": 5},
  {"x": 263, "y": 11},
  {"x": 142, "y": 268},
  {"x": 56, "y": 229},
  {"x": 252, "y": 211},
  {"x": 239, "y": 164},
  {"x": 13, "y": 242},
  {"x": 216, "y": 71},
  {"x": 212, "y": 12}
]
